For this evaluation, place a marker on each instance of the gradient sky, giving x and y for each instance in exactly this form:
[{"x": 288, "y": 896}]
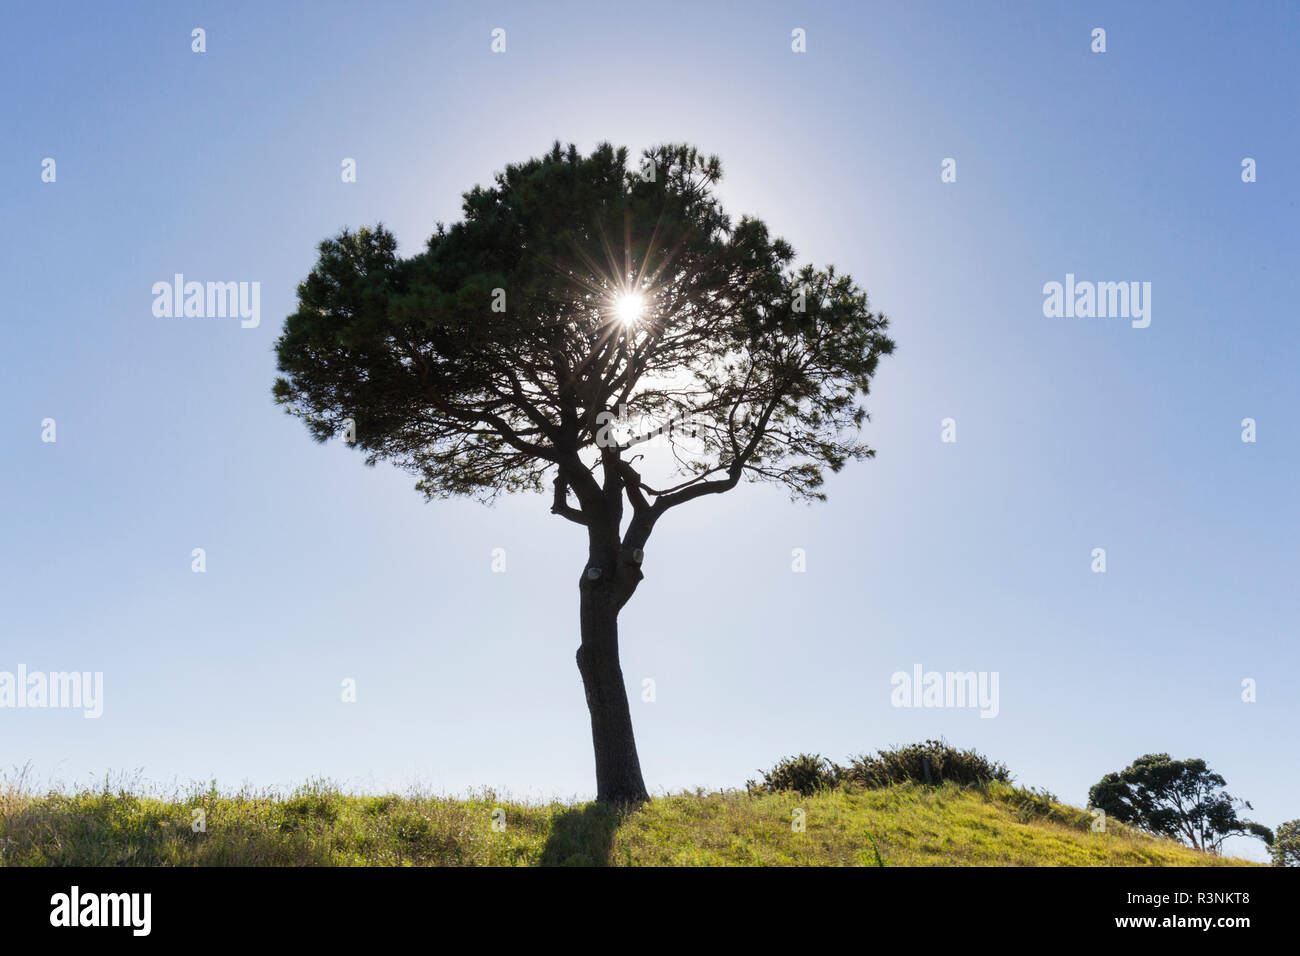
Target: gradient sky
[{"x": 1072, "y": 433}]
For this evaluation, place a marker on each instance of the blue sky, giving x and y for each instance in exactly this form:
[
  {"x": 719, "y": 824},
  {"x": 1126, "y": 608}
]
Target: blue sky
[{"x": 1072, "y": 434}]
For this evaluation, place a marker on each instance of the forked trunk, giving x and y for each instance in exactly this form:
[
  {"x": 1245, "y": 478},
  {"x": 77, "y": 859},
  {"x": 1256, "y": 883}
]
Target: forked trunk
[{"x": 618, "y": 769}]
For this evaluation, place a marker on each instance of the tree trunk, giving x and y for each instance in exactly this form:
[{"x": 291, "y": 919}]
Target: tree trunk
[{"x": 618, "y": 769}]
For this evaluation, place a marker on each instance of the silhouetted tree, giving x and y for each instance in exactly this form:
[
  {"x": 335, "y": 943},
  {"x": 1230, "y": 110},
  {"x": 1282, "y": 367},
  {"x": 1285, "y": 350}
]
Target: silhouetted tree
[
  {"x": 589, "y": 327},
  {"x": 1181, "y": 799}
]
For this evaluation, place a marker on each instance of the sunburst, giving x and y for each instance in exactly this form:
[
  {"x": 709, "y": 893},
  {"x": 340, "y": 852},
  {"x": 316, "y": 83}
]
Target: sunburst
[{"x": 629, "y": 307}]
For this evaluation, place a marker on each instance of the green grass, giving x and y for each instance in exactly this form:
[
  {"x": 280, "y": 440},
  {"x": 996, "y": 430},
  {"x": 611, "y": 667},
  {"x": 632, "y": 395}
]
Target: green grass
[{"x": 904, "y": 825}]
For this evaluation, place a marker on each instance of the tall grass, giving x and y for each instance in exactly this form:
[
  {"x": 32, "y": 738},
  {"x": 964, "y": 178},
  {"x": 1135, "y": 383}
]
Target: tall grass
[{"x": 118, "y": 824}]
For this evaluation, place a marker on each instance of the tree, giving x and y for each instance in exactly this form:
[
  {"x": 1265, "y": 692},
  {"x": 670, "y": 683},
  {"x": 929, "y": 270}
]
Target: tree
[
  {"x": 1286, "y": 845},
  {"x": 608, "y": 332},
  {"x": 1180, "y": 799}
]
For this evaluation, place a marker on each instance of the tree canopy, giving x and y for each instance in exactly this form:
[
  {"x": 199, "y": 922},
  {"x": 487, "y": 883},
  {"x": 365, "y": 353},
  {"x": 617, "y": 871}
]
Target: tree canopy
[
  {"x": 498, "y": 354},
  {"x": 1181, "y": 799}
]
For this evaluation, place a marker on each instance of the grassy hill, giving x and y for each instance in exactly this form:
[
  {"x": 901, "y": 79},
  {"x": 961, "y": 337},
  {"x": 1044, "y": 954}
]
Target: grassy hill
[{"x": 907, "y": 824}]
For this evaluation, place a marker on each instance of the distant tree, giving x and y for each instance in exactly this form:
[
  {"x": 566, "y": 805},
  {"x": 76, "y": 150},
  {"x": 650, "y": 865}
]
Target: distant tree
[
  {"x": 1181, "y": 799},
  {"x": 1286, "y": 844},
  {"x": 608, "y": 331}
]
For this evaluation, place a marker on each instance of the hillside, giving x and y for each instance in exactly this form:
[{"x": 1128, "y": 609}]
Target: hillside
[{"x": 904, "y": 825}]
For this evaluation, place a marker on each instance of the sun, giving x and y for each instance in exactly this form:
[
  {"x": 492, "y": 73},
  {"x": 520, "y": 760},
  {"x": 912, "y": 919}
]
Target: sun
[{"x": 629, "y": 307}]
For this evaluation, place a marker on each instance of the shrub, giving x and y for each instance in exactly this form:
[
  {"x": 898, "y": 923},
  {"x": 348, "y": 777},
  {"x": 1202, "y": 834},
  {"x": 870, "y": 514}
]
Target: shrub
[
  {"x": 805, "y": 774},
  {"x": 932, "y": 762}
]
